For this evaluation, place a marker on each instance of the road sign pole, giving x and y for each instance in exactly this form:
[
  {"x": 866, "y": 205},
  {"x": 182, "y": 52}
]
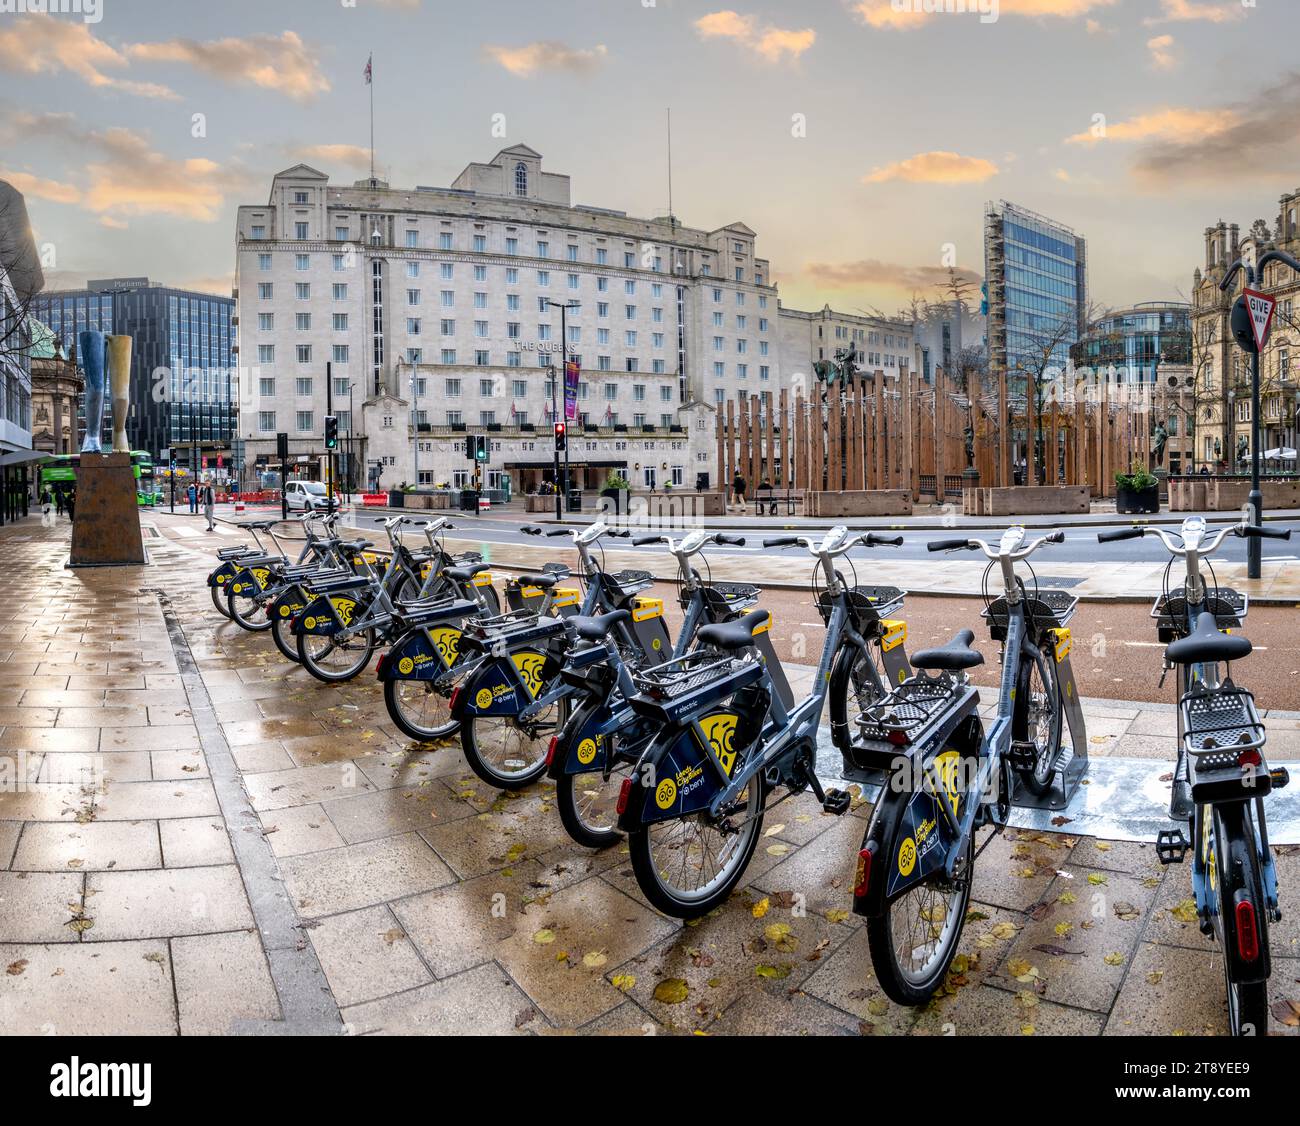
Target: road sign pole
[{"x": 1254, "y": 545}]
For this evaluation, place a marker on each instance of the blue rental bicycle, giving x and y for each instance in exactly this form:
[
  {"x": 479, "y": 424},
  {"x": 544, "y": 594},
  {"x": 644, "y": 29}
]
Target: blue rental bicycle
[
  {"x": 1221, "y": 779},
  {"x": 945, "y": 778},
  {"x": 693, "y": 808}
]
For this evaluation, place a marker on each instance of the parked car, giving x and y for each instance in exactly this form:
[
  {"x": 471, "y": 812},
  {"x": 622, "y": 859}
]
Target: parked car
[{"x": 307, "y": 496}]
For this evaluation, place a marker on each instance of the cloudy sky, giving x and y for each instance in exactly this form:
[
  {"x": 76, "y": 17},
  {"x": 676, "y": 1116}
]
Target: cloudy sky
[{"x": 858, "y": 140}]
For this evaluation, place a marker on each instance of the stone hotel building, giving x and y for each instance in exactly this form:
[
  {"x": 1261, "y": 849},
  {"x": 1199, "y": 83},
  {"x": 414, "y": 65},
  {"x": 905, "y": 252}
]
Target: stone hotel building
[{"x": 437, "y": 311}]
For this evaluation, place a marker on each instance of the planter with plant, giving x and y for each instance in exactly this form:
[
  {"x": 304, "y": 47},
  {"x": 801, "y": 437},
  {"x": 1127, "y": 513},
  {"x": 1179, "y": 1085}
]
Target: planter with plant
[{"x": 1137, "y": 491}]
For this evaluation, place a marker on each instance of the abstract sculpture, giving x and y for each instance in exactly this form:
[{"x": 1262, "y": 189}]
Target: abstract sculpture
[
  {"x": 91, "y": 352},
  {"x": 119, "y": 377}
]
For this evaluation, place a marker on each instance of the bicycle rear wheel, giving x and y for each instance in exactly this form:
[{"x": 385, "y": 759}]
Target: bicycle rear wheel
[
  {"x": 335, "y": 662},
  {"x": 246, "y": 611},
  {"x": 419, "y": 710},
  {"x": 509, "y": 754},
  {"x": 218, "y": 594},
  {"x": 284, "y": 640},
  {"x": 1038, "y": 721},
  {"x": 1236, "y": 856}
]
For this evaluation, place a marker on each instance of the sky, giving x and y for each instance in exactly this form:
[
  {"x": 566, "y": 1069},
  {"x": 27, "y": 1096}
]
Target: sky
[{"x": 859, "y": 138}]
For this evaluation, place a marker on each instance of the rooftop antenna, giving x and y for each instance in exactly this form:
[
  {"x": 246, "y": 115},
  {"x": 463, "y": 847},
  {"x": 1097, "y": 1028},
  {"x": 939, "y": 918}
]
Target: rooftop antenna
[{"x": 672, "y": 219}]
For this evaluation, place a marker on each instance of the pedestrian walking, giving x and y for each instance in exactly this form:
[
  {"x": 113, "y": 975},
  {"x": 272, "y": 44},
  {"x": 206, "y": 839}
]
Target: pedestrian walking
[
  {"x": 72, "y": 504},
  {"x": 738, "y": 490},
  {"x": 209, "y": 500},
  {"x": 58, "y": 501}
]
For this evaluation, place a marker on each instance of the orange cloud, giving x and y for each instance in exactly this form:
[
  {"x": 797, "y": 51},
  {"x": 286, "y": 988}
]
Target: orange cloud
[
  {"x": 41, "y": 188},
  {"x": 282, "y": 63},
  {"x": 772, "y": 44},
  {"x": 1162, "y": 55},
  {"x": 354, "y": 156},
  {"x": 1176, "y": 124},
  {"x": 935, "y": 168},
  {"x": 911, "y": 14},
  {"x": 1183, "y": 11},
  {"x": 52, "y": 46},
  {"x": 525, "y": 61},
  {"x": 874, "y": 272}
]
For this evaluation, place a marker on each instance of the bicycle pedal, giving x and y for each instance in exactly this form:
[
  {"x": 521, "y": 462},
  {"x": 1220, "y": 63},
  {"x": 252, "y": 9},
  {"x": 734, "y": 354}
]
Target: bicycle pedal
[
  {"x": 1024, "y": 756},
  {"x": 1280, "y": 776},
  {"x": 837, "y": 801},
  {"x": 1171, "y": 846}
]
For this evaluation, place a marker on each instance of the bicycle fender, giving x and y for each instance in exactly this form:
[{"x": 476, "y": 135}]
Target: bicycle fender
[
  {"x": 504, "y": 685},
  {"x": 841, "y": 675},
  {"x": 1069, "y": 693},
  {"x": 223, "y": 574},
  {"x": 421, "y": 654},
  {"x": 288, "y": 602},
  {"x": 582, "y": 747},
  {"x": 324, "y": 615}
]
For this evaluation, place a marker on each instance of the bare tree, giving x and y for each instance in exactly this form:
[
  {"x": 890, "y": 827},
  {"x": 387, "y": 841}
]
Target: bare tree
[{"x": 18, "y": 262}]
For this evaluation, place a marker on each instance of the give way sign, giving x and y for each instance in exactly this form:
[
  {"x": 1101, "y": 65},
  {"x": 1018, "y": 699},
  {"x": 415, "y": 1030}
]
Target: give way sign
[{"x": 1261, "y": 307}]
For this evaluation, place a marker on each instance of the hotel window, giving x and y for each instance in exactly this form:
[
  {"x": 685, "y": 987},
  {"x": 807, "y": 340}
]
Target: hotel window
[
  {"x": 632, "y": 364},
  {"x": 480, "y": 300},
  {"x": 482, "y": 359},
  {"x": 521, "y": 178},
  {"x": 305, "y": 422},
  {"x": 448, "y": 298},
  {"x": 602, "y": 308},
  {"x": 266, "y": 353},
  {"x": 448, "y": 355},
  {"x": 340, "y": 352},
  {"x": 573, "y": 281},
  {"x": 543, "y": 332},
  {"x": 340, "y": 291},
  {"x": 657, "y": 315},
  {"x": 444, "y": 240},
  {"x": 629, "y": 339},
  {"x": 302, "y": 291},
  {"x": 266, "y": 421},
  {"x": 629, "y": 288},
  {"x": 742, "y": 346},
  {"x": 512, "y": 330},
  {"x": 742, "y": 371},
  {"x": 340, "y": 234},
  {"x": 604, "y": 363},
  {"x": 413, "y": 269},
  {"x": 512, "y": 302},
  {"x": 543, "y": 277},
  {"x": 266, "y": 387},
  {"x": 264, "y": 262},
  {"x": 665, "y": 394},
  {"x": 302, "y": 387},
  {"x": 302, "y": 262},
  {"x": 602, "y": 256},
  {"x": 740, "y": 298},
  {"x": 304, "y": 353},
  {"x": 575, "y": 334},
  {"x": 259, "y": 232},
  {"x": 543, "y": 249},
  {"x": 480, "y": 273},
  {"x": 657, "y": 289},
  {"x": 413, "y": 326},
  {"x": 719, "y": 395},
  {"x": 657, "y": 339},
  {"x": 266, "y": 322},
  {"x": 573, "y": 252},
  {"x": 512, "y": 276},
  {"x": 638, "y": 419},
  {"x": 345, "y": 420},
  {"x": 480, "y": 328},
  {"x": 717, "y": 295},
  {"x": 629, "y": 312},
  {"x": 718, "y": 343},
  {"x": 480, "y": 244},
  {"x": 764, "y": 372},
  {"x": 638, "y": 392},
  {"x": 340, "y": 321},
  {"x": 453, "y": 388},
  {"x": 629, "y": 260},
  {"x": 602, "y": 285},
  {"x": 719, "y": 370},
  {"x": 340, "y": 261},
  {"x": 657, "y": 366},
  {"x": 611, "y": 392},
  {"x": 485, "y": 387},
  {"x": 341, "y": 387},
  {"x": 762, "y": 347},
  {"x": 512, "y": 246},
  {"x": 300, "y": 230},
  {"x": 519, "y": 388},
  {"x": 265, "y": 290},
  {"x": 514, "y": 359},
  {"x": 412, "y": 296},
  {"x": 299, "y": 197},
  {"x": 487, "y": 418}
]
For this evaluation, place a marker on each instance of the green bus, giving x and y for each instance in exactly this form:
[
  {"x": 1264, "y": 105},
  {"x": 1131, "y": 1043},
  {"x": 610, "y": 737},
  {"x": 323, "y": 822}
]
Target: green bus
[{"x": 60, "y": 472}]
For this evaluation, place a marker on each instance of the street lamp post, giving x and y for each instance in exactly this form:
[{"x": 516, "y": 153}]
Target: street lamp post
[
  {"x": 352, "y": 465},
  {"x": 564, "y": 308}
]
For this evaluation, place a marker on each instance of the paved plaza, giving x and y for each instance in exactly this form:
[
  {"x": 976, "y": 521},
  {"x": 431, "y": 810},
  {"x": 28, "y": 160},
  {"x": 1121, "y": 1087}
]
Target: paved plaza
[{"x": 196, "y": 837}]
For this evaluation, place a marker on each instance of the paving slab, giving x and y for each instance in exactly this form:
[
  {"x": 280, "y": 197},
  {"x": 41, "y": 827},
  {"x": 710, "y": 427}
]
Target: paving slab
[
  {"x": 165, "y": 902},
  {"x": 366, "y": 954},
  {"x": 221, "y": 979}
]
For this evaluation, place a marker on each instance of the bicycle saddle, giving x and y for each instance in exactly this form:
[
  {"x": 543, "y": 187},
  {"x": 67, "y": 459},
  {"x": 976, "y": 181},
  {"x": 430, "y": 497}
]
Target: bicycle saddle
[
  {"x": 733, "y": 635},
  {"x": 952, "y": 657},
  {"x": 464, "y": 574},
  {"x": 1206, "y": 644},
  {"x": 355, "y": 546},
  {"x": 545, "y": 582},
  {"x": 598, "y": 626},
  {"x": 260, "y": 525}
]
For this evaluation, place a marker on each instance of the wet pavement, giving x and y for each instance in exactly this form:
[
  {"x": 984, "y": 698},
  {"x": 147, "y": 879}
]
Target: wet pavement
[{"x": 197, "y": 837}]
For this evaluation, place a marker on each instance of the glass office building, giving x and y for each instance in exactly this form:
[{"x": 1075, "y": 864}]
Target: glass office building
[
  {"x": 1135, "y": 342},
  {"x": 182, "y": 375},
  {"x": 1036, "y": 277}
]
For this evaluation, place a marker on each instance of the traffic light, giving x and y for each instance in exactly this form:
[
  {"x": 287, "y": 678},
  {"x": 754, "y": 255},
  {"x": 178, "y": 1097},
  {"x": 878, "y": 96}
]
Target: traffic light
[
  {"x": 471, "y": 447},
  {"x": 482, "y": 450},
  {"x": 331, "y": 432},
  {"x": 561, "y": 436}
]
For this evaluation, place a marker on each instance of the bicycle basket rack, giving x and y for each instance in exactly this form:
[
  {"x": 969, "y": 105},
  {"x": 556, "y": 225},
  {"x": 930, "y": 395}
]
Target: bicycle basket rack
[
  {"x": 1050, "y": 609},
  {"x": 724, "y": 600},
  {"x": 513, "y": 628},
  {"x": 906, "y": 715},
  {"x": 1170, "y": 611},
  {"x": 627, "y": 583},
  {"x": 869, "y": 603},
  {"x": 1221, "y": 720},
  {"x": 690, "y": 682}
]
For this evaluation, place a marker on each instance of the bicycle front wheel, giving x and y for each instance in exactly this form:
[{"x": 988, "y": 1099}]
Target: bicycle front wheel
[
  {"x": 219, "y": 600},
  {"x": 334, "y": 662},
  {"x": 588, "y": 805},
  {"x": 1038, "y": 721},
  {"x": 419, "y": 710},
  {"x": 284, "y": 640},
  {"x": 688, "y": 866}
]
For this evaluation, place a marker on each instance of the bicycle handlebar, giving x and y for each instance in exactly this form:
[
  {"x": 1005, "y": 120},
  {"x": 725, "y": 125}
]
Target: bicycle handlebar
[
  {"x": 558, "y": 532},
  {"x": 1121, "y": 534},
  {"x": 641, "y": 541},
  {"x": 1250, "y": 531},
  {"x": 951, "y": 545},
  {"x": 781, "y": 541}
]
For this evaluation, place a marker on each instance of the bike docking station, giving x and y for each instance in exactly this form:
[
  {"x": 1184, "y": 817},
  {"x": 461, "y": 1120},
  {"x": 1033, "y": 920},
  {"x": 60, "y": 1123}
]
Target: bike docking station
[
  {"x": 1048, "y": 613},
  {"x": 106, "y": 522}
]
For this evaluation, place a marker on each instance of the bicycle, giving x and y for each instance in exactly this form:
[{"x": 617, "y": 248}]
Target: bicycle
[
  {"x": 946, "y": 777},
  {"x": 234, "y": 561},
  {"x": 693, "y": 808},
  {"x": 594, "y": 751},
  {"x": 1221, "y": 778},
  {"x": 514, "y": 700}
]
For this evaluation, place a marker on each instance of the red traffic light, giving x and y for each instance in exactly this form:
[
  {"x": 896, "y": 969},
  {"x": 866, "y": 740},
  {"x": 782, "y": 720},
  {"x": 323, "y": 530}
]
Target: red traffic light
[{"x": 561, "y": 435}]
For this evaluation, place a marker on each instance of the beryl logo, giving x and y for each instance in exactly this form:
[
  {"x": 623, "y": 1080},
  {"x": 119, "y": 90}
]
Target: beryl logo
[
  {"x": 987, "y": 9},
  {"x": 102, "y": 1080},
  {"x": 90, "y": 11}
]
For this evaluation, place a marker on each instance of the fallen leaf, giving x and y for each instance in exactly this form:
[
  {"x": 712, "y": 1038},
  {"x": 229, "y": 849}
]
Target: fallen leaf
[
  {"x": 1114, "y": 958},
  {"x": 773, "y": 971},
  {"x": 544, "y": 937},
  {"x": 594, "y": 959},
  {"x": 1127, "y": 911},
  {"x": 623, "y": 982},
  {"x": 761, "y": 907},
  {"x": 15, "y": 968},
  {"x": 671, "y": 991}
]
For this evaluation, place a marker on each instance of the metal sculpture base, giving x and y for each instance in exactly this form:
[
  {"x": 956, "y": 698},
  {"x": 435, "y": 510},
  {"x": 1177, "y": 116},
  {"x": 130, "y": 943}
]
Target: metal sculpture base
[{"x": 106, "y": 528}]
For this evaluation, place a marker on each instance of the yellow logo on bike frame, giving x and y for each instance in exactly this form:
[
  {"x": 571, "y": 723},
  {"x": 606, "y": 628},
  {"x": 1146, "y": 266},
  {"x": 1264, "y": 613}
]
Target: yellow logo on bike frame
[
  {"x": 484, "y": 698},
  {"x": 405, "y": 665},
  {"x": 720, "y": 731},
  {"x": 893, "y": 632},
  {"x": 947, "y": 766},
  {"x": 666, "y": 793},
  {"x": 448, "y": 642},
  {"x": 530, "y": 670},
  {"x": 907, "y": 857},
  {"x": 344, "y": 608},
  {"x": 586, "y": 751}
]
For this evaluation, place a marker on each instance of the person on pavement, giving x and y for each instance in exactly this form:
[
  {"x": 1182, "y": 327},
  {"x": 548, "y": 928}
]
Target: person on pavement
[
  {"x": 209, "y": 502},
  {"x": 738, "y": 490},
  {"x": 72, "y": 504},
  {"x": 193, "y": 495}
]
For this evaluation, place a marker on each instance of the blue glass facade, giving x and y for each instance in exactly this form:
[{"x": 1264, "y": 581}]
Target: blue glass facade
[
  {"x": 1136, "y": 341},
  {"x": 181, "y": 363}
]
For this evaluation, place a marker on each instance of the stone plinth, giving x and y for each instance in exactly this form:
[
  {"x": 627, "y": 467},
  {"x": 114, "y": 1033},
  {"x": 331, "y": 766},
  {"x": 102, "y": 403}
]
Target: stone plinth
[
  {"x": 106, "y": 528},
  {"x": 858, "y": 502},
  {"x": 1025, "y": 500}
]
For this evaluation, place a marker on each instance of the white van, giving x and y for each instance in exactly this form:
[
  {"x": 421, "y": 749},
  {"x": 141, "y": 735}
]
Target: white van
[{"x": 306, "y": 495}]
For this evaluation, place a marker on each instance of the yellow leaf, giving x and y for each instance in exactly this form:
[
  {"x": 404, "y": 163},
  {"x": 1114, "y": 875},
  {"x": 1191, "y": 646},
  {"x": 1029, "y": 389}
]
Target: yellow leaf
[
  {"x": 878, "y": 1006},
  {"x": 623, "y": 982},
  {"x": 772, "y": 971},
  {"x": 775, "y": 830},
  {"x": 1096, "y": 878},
  {"x": 671, "y": 991},
  {"x": 760, "y": 908},
  {"x": 1067, "y": 897},
  {"x": 544, "y": 937},
  {"x": 1114, "y": 958},
  {"x": 1003, "y": 930},
  {"x": 836, "y": 915},
  {"x": 1018, "y": 967},
  {"x": 1101, "y": 846},
  {"x": 1062, "y": 929},
  {"x": 594, "y": 959},
  {"x": 1027, "y": 998},
  {"x": 1155, "y": 976},
  {"x": 777, "y": 849},
  {"x": 1026, "y": 1030},
  {"x": 1185, "y": 912}
]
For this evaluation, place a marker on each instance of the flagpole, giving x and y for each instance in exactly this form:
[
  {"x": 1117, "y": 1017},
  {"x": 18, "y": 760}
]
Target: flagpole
[{"x": 371, "y": 84}]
